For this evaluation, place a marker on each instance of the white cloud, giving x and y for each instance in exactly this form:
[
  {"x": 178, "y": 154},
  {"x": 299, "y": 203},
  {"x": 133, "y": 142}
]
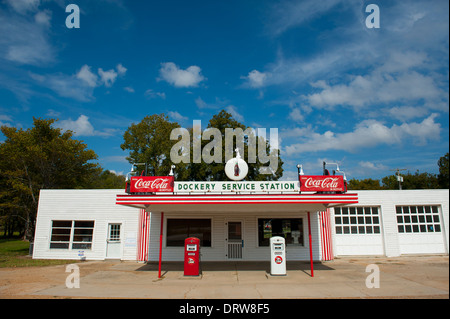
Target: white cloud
[
  {"x": 64, "y": 85},
  {"x": 87, "y": 76},
  {"x": 129, "y": 89},
  {"x": 367, "y": 134},
  {"x": 152, "y": 94},
  {"x": 121, "y": 69},
  {"x": 289, "y": 14},
  {"x": 25, "y": 40},
  {"x": 372, "y": 166},
  {"x": 176, "y": 116},
  {"x": 24, "y": 6},
  {"x": 296, "y": 115},
  {"x": 256, "y": 79},
  {"x": 80, "y": 127},
  {"x": 5, "y": 120},
  {"x": 107, "y": 77},
  {"x": 376, "y": 88},
  {"x": 83, "y": 127},
  {"x": 79, "y": 86},
  {"x": 172, "y": 74},
  {"x": 234, "y": 112}
]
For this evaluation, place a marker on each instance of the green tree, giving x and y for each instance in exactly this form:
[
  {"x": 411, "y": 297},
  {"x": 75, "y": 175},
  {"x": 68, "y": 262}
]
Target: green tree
[
  {"x": 365, "y": 184},
  {"x": 107, "y": 180},
  {"x": 412, "y": 181},
  {"x": 443, "y": 177},
  {"x": 149, "y": 142},
  {"x": 224, "y": 120},
  {"x": 41, "y": 157}
]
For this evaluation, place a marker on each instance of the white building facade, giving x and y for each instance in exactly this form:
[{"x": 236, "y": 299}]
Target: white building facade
[{"x": 108, "y": 224}]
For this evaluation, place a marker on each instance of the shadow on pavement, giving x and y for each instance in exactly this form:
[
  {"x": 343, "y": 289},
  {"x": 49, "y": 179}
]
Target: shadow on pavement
[{"x": 233, "y": 266}]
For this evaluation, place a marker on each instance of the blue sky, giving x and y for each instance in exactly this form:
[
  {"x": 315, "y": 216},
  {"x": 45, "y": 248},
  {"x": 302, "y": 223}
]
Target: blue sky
[{"x": 370, "y": 99}]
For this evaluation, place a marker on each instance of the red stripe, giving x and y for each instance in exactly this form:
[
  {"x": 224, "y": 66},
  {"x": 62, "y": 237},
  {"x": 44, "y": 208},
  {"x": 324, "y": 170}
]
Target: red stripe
[
  {"x": 142, "y": 250},
  {"x": 327, "y": 245},
  {"x": 146, "y": 202}
]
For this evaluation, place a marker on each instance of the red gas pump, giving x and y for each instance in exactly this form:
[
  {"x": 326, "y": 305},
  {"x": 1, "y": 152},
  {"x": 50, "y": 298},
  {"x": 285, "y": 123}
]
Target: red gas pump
[{"x": 191, "y": 256}]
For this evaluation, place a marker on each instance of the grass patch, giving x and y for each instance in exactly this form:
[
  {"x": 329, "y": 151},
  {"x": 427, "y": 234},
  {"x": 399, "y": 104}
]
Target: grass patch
[{"x": 14, "y": 253}]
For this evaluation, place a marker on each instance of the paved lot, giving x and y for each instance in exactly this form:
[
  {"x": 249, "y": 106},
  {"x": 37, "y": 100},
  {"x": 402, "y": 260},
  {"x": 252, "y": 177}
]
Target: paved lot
[{"x": 401, "y": 277}]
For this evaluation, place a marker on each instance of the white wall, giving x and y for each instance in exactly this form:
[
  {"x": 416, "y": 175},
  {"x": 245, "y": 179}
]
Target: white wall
[
  {"x": 100, "y": 206},
  {"x": 390, "y": 242},
  {"x": 96, "y": 205}
]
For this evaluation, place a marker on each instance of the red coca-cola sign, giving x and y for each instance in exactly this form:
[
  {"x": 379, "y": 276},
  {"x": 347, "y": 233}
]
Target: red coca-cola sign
[
  {"x": 151, "y": 184},
  {"x": 322, "y": 183}
]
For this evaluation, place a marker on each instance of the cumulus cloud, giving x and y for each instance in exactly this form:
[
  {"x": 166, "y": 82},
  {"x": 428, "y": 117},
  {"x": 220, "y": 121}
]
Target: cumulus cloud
[
  {"x": 79, "y": 86},
  {"x": 87, "y": 76},
  {"x": 172, "y": 74},
  {"x": 256, "y": 79},
  {"x": 369, "y": 133},
  {"x": 83, "y": 127}
]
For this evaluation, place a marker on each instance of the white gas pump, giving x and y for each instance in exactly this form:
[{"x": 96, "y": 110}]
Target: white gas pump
[{"x": 277, "y": 256}]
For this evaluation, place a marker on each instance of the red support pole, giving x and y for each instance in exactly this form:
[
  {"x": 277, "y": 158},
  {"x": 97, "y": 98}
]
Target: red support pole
[
  {"x": 160, "y": 244},
  {"x": 310, "y": 246}
]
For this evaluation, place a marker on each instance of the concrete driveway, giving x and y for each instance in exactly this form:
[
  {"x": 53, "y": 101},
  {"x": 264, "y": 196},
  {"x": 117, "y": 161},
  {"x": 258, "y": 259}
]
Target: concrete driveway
[{"x": 400, "y": 277}]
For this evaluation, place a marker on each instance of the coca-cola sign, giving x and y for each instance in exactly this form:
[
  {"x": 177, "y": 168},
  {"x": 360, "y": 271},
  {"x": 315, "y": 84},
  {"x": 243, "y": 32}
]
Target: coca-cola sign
[
  {"x": 322, "y": 183},
  {"x": 151, "y": 184}
]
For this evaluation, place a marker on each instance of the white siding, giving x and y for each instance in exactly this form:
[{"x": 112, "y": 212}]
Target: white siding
[
  {"x": 390, "y": 242},
  {"x": 99, "y": 206},
  {"x": 94, "y": 205}
]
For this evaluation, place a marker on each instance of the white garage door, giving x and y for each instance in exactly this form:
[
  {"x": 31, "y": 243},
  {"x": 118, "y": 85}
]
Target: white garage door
[
  {"x": 420, "y": 230},
  {"x": 358, "y": 231}
]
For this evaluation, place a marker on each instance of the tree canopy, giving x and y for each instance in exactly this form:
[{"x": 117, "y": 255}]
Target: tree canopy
[
  {"x": 42, "y": 157},
  {"x": 149, "y": 142}
]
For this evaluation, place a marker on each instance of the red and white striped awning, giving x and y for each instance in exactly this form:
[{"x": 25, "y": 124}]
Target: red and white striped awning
[{"x": 163, "y": 201}]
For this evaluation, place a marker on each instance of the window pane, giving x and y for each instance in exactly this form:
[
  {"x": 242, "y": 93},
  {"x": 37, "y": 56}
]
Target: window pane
[
  {"x": 180, "y": 229},
  {"x": 290, "y": 229},
  {"x": 62, "y": 223}
]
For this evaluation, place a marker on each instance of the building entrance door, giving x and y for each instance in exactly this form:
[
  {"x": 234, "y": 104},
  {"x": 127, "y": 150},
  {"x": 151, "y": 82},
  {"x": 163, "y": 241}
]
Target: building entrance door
[
  {"x": 234, "y": 239},
  {"x": 114, "y": 244}
]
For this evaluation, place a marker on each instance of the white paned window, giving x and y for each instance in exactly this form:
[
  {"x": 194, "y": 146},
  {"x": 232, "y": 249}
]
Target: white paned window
[
  {"x": 418, "y": 219},
  {"x": 357, "y": 220}
]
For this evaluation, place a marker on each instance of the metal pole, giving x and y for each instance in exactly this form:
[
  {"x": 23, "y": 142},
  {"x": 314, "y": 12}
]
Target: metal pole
[
  {"x": 310, "y": 246},
  {"x": 160, "y": 244}
]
